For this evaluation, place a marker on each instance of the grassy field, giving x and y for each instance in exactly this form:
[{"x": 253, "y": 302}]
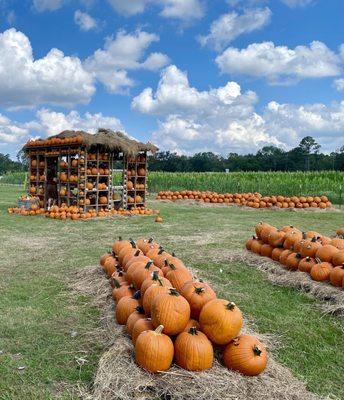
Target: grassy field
[
  {"x": 329, "y": 183},
  {"x": 44, "y": 327}
]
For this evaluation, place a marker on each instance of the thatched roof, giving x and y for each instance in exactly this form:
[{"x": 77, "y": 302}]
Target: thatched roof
[{"x": 108, "y": 140}]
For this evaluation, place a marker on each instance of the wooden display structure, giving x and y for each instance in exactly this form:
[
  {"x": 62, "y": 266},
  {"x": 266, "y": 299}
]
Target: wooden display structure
[{"x": 86, "y": 177}]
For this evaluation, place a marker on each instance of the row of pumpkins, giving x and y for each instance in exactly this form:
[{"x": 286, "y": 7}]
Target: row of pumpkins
[
  {"x": 254, "y": 200},
  {"x": 74, "y": 213},
  {"x": 54, "y": 141},
  {"x": 170, "y": 316},
  {"x": 311, "y": 252}
]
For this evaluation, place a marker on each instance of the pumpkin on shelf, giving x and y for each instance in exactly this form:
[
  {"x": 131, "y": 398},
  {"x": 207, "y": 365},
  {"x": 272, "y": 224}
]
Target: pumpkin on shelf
[
  {"x": 154, "y": 350},
  {"x": 193, "y": 351},
  {"x": 245, "y": 354},
  {"x": 103, "y": 200},
  {"x": 221, "y": 321},
  {"x": 172, "y": 311}
]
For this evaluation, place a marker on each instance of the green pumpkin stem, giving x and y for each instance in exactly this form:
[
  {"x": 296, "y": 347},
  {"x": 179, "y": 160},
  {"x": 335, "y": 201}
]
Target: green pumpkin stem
[
  {"x": 139, "y": 310},
  {"x": 230, "y": 306},
  {"x": 155, "y": 276},
  {"x": 150, "y": 240},
  {"x": 174, "y": 292},
  {"x": 137, "y": 253},
  {"x": 173, "y": 267},
  {"x": 193, "y": 330},
  {"x": 116, "y": 283},
  {"x": 137, "y": 295},
  {"x": 161, "y": 251},
  {"x": 256, "y": 350},
  {"x": 161, "y": 282},
  {"x": 149, "y": 264}
]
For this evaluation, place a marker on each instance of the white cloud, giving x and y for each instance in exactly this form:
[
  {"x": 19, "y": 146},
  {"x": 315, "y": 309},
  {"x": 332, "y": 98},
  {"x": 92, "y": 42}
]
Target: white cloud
[
  {"x": 229, "y": 26},
  {"x": 276, "y": 62},
  {"x": 129, "y": 8},
  {"x": 85, "y": 21},
  {"x": 297, "y": 3},
  {"x": 14, "y": 135},
  {"x": 47, "y": 5},
  {"x": 53, "y": 79},
  {"x": 124, "y": 52},
  {"x": 339, "y": 84},
  {"x": 291, "y": 122},
  {"x": 184, "y": 10},
  {"x": 220, "y": 120}
]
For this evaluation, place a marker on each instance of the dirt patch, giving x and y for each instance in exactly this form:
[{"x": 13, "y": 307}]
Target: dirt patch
[
  {"x": 332, "y": 297},
  {"x": 118, "y": 377}
]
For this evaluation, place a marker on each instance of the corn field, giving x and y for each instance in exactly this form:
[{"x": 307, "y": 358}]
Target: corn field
[{"x": 329, "y": 183}]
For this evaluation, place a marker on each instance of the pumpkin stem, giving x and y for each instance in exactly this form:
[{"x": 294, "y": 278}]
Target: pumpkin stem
[
  {"x": 133, "y": 244},
  {"x": 173, "y": 267},
  {"x": 150, "y": 240},
  {"x": 159, "y": 329},
  {"x": 199, "y": 290},
  {"x": 161, "y": 251},
  {"x": 120, "y": 238},
  {"x": 230, "y": 306},
  {"x": 314, "y": 239},
  {"x": 116, "y": 283},
  {"x": 174, "y": 292},
  {"x": 317, "y": 259},
  {"x": 256, "y": 350},
  {"x": 149, "y": 264},
  {"x": 173, "y": 254},
  {"x": 304, "y": 236},
  {"x": 298, "y": 255},
  {"x": 137, "y": 253},
  {"x": 308, "y": 258},
  {"x": 193, "y": 330},
  {"x": 139, "y": 310},
  {"x": 155, "y": 276},
  {"x": 137, "y": 295},
  {"x": 161, "y": 282}
]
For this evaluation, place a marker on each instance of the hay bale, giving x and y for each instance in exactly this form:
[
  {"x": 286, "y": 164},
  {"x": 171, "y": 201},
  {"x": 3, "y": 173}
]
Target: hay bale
[{"x": 118, "y": 377}]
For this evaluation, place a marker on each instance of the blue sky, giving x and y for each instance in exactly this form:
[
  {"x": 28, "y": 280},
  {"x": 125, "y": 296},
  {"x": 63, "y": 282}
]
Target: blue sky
[{"x": 189, "y": 75}]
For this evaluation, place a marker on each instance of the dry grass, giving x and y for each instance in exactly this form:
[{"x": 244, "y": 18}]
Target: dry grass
[{"x": 118, "y": 377}]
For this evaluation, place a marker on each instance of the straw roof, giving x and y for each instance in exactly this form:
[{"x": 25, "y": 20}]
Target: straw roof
[{"x": 108, "y": 140}]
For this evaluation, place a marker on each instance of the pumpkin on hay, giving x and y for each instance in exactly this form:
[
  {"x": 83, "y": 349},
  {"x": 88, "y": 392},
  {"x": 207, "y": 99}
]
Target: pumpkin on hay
[
  {"x": 337, "y": 276},
  {"x": 172, "y": 311},
  {"x": 152, "y": 292},
  {"x": 193, "y": 350},
  {"x": 321, "y": 271},
  {"x": 154, "y": 350},
  {"x": 246, "y": 355},
  {"x": 139, "y": 313},
  {"x": 221, "y": 321},
  {"x": 125, "y": 307},
  {"x": 178, "y": 276},
  {"x": 121, "y": 289},
  {"x": 197, "y": 294}
]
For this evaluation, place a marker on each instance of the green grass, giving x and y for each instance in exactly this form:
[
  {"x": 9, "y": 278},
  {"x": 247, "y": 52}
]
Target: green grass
[{"x": 40, "y": 258}]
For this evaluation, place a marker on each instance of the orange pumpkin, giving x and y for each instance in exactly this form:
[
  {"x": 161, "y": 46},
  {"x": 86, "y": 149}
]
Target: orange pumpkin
[
  {"x": 293, "y": 260},
  {"x": 310, "y": 247},
  {"x": 246, "y": 355},
  {"x": 266, "y": 250},
  {"x": 338, "y": 258},
  {"x": 197, "y": 294},
  {"x": 122, "y": 289},
  {"x": 139, "y": 313},
  {"x": 276, "y": 253},
  {"x": 125, "y": 307},
  {"x": 321, "y": 271},
  {"x": 306, "y": 264},
  {"x": 152, "y": 292},
  {"x": 256, "y": 246},
  {"x": 172, "y": 311},
  {"x": 193, "y": 351},
  {"x": 326, "y": 253},
  {"x": 337, "y": 276},
  {"x": 153, "y": 280},
  {"x": 221, "y": 321},
  {"x": 192, "y": 324},
  {"x": 141, "y": 325},
  {"x": 139, "y": 276},
  {"x": 178, "y": 276},
  {"x": 154, "y": 351}
]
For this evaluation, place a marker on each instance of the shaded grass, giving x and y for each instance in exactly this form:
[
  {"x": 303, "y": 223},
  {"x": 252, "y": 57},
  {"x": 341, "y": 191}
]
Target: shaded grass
[{"x": 39, "y": 258}]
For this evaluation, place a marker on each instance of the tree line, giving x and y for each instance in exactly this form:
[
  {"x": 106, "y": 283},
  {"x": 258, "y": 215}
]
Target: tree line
[{"x": 304, "y": 157}]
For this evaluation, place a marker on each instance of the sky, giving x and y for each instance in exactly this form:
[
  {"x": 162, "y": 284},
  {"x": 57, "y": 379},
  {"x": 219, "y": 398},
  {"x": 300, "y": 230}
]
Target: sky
[{"x": 228, "y": 76}]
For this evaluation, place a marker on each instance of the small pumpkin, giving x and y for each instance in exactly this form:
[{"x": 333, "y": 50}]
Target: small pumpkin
[
  {"x": 132, "y": 253},
  {"x": 172, "y": 311},
  {"x": 119, "y": 244},
  {"x": 125, "y": 307},
  {"x": 141, "y": 325},
  {"x": 276, "y": 253},
  {"x": 321, "y": 271},
  {"x": 110, "y": 265},
  {"x": 141, "y": 274},
  {"x": 197, "y": 294},
  {"x": 293, "y": 260},
  {"x": 152, "y": 293},
  {"x": 276, "y": 238},
  {"x": 338, "y": 242},
  {"x": 291, "y": 238},
  {"x": 125, "y": 250},
  {"x": 119, "y": 276},
  {"x": 284, "y": 255},
  {"x": 154, "y": 350},
  {"x": 134, "y": 259},
  {"x": 249, "y": 242},
  {"x": 306, "y": 264},
  {"x": 104, "y": 257},
  {"x": 338, "y": 258},
  {"x": 309, "y": 247},
  {"x": 256, "y": 246},
  {"x": 133, "y": 317},
  {"x": 145, "y": 244},
  {"x": 337, "y": 276},
  {"x": 221, "y": 320},
  {"x": 266, "y": 250},
  {"x": 246, "y": 355},
  {"x": 193, "y": 351}
]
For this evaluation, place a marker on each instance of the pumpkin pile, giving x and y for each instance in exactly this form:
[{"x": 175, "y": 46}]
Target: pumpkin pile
[
  {"x": 54, "y": 141},
  {"x": 74, "y": 213},
  {"x": 170, "y": 316},
  {"x": 254, "y": 200},
  {"x": 320, "y": 256}
]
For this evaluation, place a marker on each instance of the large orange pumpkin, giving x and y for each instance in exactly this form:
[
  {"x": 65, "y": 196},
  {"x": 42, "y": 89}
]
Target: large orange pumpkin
[
  {"x": 153, "y": 280},
  {"x": 154, "y": 351},
  {"x": 221, "y": 321},
  {"x": 326, "y": 253},
  {"x": 338, "y": 258},
  {"x": 139, "y": 276},
  {"x": 152, "y": 292},
  {"x": 197, "y": 294},
  {"x": 172, "y": 311},
  {"x": 246, "y": 355},
  {"x": 193, "y": 351},
  {"x": 337, "y": 276},
  {"x": 321, "y": 271}
]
